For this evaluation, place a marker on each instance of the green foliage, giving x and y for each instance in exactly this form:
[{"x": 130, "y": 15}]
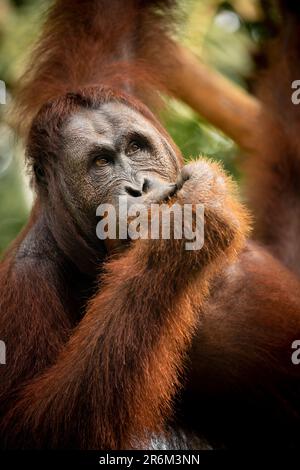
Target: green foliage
[
  {"x": 19, "y": 25},
  {"x": 196, "y": 137},
  {"x": 13, "y": 207}
]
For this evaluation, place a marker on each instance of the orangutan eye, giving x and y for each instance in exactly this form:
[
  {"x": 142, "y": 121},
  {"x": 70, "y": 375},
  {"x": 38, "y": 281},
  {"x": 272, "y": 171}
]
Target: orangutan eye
[
  {"x": 133, "y": 147},
  {"x": 101, "y": 161}
]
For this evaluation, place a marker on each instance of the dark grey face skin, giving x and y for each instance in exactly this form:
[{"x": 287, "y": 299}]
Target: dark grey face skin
[{"x": 111, "y": 152}]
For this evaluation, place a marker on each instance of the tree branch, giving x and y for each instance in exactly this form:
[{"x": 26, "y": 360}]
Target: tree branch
[{"x": 222, "y": 103}]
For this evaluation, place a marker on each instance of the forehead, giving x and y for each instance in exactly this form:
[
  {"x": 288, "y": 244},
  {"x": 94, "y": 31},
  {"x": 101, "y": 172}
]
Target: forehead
[{"x": 112, "y": 119}]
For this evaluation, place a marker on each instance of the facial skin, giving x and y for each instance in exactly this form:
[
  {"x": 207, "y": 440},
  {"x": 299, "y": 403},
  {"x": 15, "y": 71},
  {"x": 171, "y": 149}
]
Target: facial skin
[{"x": 111, "y": 152}]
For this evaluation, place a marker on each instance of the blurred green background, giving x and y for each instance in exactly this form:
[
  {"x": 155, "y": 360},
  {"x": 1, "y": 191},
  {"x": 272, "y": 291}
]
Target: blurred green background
[{"x": 223, "y": 34}]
